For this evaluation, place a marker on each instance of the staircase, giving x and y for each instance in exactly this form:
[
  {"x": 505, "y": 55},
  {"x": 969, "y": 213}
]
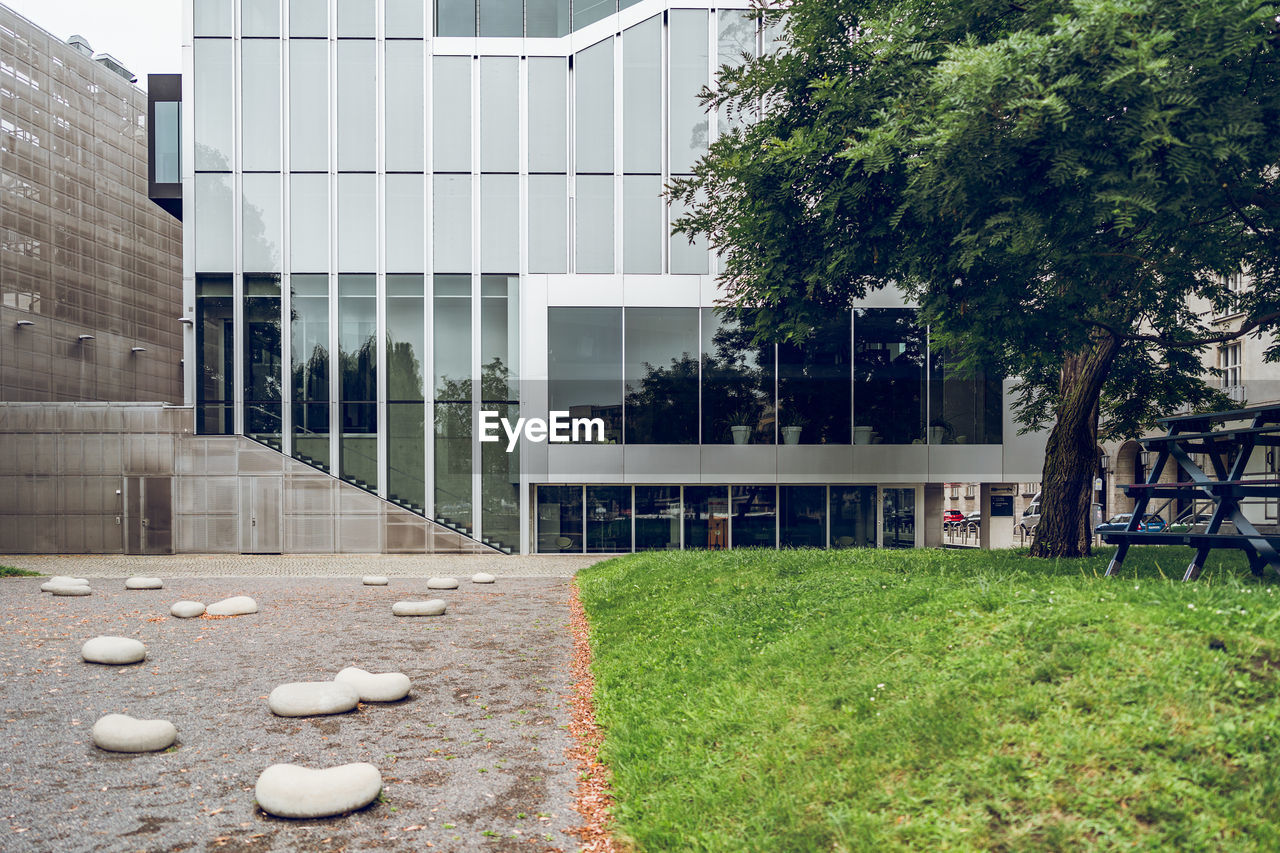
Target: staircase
[{"x": 273, "y": 441}]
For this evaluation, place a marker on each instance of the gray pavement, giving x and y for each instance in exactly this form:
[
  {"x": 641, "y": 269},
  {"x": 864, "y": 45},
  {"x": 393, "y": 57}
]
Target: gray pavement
[
  {"x": 473, "y": 760},
  {"x": 299, "y": 565}
]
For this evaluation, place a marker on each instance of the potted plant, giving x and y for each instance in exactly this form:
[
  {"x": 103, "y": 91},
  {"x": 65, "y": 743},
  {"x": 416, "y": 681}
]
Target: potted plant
[
  {"x": 741, "y": 425},
  {"x": 862, "y": 434},
  {"x": 791, "y": 432},
  {"x": 939, "y": 431}
]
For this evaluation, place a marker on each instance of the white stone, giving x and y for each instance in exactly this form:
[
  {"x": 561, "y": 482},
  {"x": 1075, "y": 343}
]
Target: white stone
[
  {"x": 113, "y": 650},
  {"x": 187, "y": 609},
  {"x": 380, "y": 687},
  {"x": 482, "y": 577},
  {"x": 54, "y": 586},
  {"x": 239, "y": 605},
  {"x": 288, "y": 790},
  {"x": 434, "y": 607},
  {"x": 442, "y": 583},
  {"x": 375, "y": 580},
  {"x": 144, "y": 583},
  {"x": 308, "y": 698},
  {"x": 68, "y": 579},
  {"x": 122, "y": 733}
]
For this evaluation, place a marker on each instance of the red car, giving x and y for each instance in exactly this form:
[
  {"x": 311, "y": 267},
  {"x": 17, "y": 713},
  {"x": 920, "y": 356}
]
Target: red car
[{"x": 952, "y": 516}]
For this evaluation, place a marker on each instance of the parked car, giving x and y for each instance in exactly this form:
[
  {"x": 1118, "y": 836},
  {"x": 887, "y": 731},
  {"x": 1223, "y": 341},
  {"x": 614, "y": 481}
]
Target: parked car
[
  {"x": 1197, "y": 521},
  {"x": 1151, "y": 523},
  {"x": 973, "y": 518},
  {"x": 1030, "y": 516},
  {"x": 952, "y": 516}
]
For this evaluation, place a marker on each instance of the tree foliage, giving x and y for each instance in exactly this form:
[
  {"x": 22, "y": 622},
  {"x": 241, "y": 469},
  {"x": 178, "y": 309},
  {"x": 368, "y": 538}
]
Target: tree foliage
[{"x": 1062, "y": 184}]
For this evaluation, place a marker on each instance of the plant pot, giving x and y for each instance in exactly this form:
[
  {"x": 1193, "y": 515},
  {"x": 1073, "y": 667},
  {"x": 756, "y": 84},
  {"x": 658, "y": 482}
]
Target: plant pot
[
  {"x": 791, "y": 434},
  {"x": 740, "y": 434},
  {"x": 936, "y": 434},
  {"x": 862, "y": 435}
]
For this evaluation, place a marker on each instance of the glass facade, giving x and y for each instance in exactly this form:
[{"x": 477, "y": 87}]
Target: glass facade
[{"x": 473, "y": 229}]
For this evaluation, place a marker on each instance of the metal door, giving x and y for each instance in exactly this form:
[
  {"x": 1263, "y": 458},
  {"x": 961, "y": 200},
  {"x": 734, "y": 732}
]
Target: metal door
[
  {"x": 148, "y": 515},
  {"x": 260, "y": 522}
]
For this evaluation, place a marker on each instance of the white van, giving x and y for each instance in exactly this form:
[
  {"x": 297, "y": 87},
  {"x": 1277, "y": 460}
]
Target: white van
[{"x": 1030, "y": 516}]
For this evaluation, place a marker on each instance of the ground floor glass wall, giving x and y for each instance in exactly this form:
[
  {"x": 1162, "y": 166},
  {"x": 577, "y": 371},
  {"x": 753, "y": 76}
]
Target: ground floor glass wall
[{"x": 616, "y": 519}]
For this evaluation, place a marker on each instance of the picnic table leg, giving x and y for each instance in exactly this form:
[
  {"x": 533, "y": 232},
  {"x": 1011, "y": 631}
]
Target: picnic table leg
[
  {"x": 1197, "y": 564},
  {"x": 1114, "y": 565}
]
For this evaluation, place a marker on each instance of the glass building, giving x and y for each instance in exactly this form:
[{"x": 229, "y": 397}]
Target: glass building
[{"x": 403, "y": 214}]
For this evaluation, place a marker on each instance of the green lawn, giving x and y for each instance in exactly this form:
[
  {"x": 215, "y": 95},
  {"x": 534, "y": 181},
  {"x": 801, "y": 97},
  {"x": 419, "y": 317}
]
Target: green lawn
[
  {"x": 11, "y": 572},
  {"x": 868, "y": 700}
]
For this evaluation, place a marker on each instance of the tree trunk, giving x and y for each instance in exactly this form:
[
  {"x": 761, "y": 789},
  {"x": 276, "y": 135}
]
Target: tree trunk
[{"x": 1071, "y": 456}]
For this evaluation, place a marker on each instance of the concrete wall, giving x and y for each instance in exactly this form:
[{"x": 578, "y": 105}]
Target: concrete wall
[{"x": 133, "y": 478}]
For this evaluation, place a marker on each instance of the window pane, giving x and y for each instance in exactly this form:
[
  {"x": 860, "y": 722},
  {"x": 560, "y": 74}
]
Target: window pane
[
  {"x": 502, "y": 18},
  {"x": 737, "y": 383},
  {"x": 589, "y": 11},
  {"x": 406, "y": 337},
  {"x": 262, "y": 357},
  {"x": 594, "y": 225},
  {"x": 357, "y": 223},
  {"x": 451, "y": 97},
  {"x": 499, "y": 114},
  {"x": 214, "y": 92},
  {"x": 309, "y": 18},
  {"x": 499, "y": 223},
  {"x": 548, "y": 224},
  {"x": 215, "y": 349},
  {"x": 357, "y": 106},
  {"x": 803, "y": 516},
  {"x": 358, "y": 379},
  {"x": 406, "y": 227},
  {"x": 657, "y": 518},
  {"x": 308, "y": 106},
  {"x": 215, "y": 250},
  {"x": 642, "y": 222},
  {"x": 452, "y": 338},
  {"x": 355, "y": 19},
  {"x": 548, "y": 114},
  {"x": 608, "y": 519},
  {"x": 546, "y": 18},
  {"x": 455, "y": 17},
  {"x": 814, "y": 385},
  {"x": 688, "y": 77},
  {"x": 559, "y": 519},
  {"x": 309, "y": 344},
  {"x": 404, "y": 19},
  {"x": 407, "y": 455},
  {"x": 260, "y": 17},
  {"x": 309, "y": 223},
  {"x": 593, "y": 100},
  {"x": 451, "y": 223},
  {"x": 405, "y": 107},
  {"x": 584, "y": 365},
  {"x": 686, "y": 258},
  {"x": 261, "y": 223},
  {"x": 737, "y": 36},
  {"x": 888, "y": 376},
  {"x": 853, "y": 516},
  {"x": 168, "y": 140},
  {"x": 451, "y": 345},
  {"x": 899, "y": 518},
  {"x": 212, "y": 17},
  {"x": 963, "y": 409},
  {"x": 661, "y": 371},
  {"x": 642, "y": 98},
  {"x": 706, "y": 517},
  {"x": 755, "y": 516},
  {"x": 260, "y": 104},
  {"x": 499, "y": 338}
]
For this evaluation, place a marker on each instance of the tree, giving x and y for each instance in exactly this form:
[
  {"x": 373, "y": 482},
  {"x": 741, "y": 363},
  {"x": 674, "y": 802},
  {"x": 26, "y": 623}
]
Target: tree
[{"x": 1062, "y": 184}]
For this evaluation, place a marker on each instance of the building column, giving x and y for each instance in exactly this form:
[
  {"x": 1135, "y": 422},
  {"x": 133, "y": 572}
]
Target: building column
[
  {"x": 934, "y": 503},
  {"x": 996, "y": 530}
]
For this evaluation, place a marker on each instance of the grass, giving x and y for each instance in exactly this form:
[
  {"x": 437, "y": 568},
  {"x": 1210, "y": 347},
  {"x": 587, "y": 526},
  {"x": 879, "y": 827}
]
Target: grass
[
  {"x": 11, "y": 572},
  {"x": 936, "y": 700}
]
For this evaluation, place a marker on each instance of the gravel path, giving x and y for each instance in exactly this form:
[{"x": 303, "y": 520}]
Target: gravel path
[
  {"x": 299, "y": 565},
  {"x": 474, "y": 759}
]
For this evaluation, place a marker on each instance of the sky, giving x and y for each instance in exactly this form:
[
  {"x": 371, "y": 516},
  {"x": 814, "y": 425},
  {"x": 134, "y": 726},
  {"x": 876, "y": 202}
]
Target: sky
[{"x": 145, "y": 35}]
